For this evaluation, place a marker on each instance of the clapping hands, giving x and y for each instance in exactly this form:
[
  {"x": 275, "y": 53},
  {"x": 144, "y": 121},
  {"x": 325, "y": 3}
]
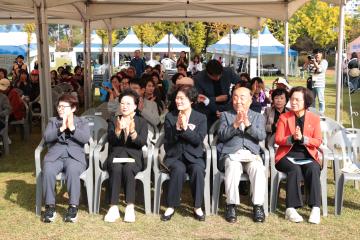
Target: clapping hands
[
  {"x": 297, "y": 135},
  {"x": 241, "y": 117},
  {"x": 68, "y": 122},
  {"x": 181, "y": 123}
]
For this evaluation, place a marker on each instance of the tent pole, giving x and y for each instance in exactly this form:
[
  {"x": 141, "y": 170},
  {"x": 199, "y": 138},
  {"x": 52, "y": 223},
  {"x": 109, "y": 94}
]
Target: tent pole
[
  {"x": 258, "y": 55},
  {"x": 169, "y": 45},
  {"x": 87, "y": 69},
  {"x": 286, "y": 49},
  {"x": 110, "y": 49},
  {"x": 339, "y": 60},
  {"x": 230, "y": 46},
  {"x": 44, "y": 62}
]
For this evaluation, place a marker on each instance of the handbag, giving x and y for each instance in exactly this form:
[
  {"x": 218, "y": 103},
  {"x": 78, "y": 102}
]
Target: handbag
[{"x": 354, "y": 72}]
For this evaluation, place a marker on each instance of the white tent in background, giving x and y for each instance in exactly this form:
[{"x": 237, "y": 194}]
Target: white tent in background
[
  {"x": 175, "y": 45},
  {"x": 96, "y": 49},
  {"x": 15, "y": 42},
  {"x": 354, "y": 46},
  {"x": 96, "y": 44},
  {"x": 128, "y": 45},
  {"x": 272, "y": 52}
]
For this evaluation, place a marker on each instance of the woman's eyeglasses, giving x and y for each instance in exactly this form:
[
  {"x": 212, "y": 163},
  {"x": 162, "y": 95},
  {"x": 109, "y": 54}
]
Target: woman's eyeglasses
[{"x": 60, "y": 107}]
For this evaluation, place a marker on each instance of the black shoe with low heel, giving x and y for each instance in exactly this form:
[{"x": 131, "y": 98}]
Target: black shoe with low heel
[
  {"x": 165, "y": 218},
  {"x": 198, "y": 217}
]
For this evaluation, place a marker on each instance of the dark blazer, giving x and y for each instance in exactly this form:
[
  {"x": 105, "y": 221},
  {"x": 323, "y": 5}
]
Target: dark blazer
[
  {"x": 204, "y": 86},
  {"x": 73, "y": 144},
  {"x": 130, "y": 148},
  {"x": 189, "y": 143}
]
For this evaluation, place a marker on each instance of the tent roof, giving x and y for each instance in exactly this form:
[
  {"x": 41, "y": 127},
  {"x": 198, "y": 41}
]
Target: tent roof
[
  {"x": 240, "y": 43},
  {"x": 175, "y": 45},
  {"x": 130, "y": 12},
  {"x": 96, "y": 44},
  {"x": 130, "y": 43}
]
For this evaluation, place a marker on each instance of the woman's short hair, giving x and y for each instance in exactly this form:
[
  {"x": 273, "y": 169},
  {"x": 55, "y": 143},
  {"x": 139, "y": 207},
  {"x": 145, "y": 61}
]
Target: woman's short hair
[
  {"x": 190, "y": 92},
  {"x": 72, "y": 100},
  {"x": 279, "y": 92},
  {"x": 354, "y": 55},
  {"x": 245, "y": 75},
  {"x": 150, "y": 80},
  {"x": 131, "y": 93},
  {"x": 76, "y": 68},
  {"x": 175, "y": 77},
  {"x": 115, "y": 77},
  {"x": 307, "y": 94}
]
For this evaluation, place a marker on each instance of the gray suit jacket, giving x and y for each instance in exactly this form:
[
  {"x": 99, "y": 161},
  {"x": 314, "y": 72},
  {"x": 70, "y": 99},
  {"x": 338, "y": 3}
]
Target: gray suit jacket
[
  {"x": 231, "y": 139},
  {"x": 73, "y": 144}
]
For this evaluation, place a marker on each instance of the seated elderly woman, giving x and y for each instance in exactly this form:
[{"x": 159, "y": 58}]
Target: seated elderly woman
[
  {"x": 185, "y": 130},
  {"x": 279, "y": 98},
  {"x": 298, "y": 135},
  {"x": 68, "y": 134},
  {"x": 127, "y": 134}
]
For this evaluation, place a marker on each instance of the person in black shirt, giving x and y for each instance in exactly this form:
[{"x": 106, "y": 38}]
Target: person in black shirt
[{"x": 279, "y": 97}]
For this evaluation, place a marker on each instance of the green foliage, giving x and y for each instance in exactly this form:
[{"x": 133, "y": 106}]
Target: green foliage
[
  {"x": 196, "y": 36},
  {"x": 147, "y": 33}
]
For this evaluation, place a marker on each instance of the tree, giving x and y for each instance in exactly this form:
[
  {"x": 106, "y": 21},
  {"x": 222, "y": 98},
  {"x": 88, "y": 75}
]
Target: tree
[
  {"x": 103, "y": 34},
  {"x": 196, "y": 37},
  {"x": 147, "y": 33},
  {"x": 29, "y": 28}
]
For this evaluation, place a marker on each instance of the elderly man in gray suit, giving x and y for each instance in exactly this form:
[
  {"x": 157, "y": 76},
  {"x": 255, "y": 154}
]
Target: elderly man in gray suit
[
  {"x": 67, "y": 135},
  {"x": 240, "y": 131}
]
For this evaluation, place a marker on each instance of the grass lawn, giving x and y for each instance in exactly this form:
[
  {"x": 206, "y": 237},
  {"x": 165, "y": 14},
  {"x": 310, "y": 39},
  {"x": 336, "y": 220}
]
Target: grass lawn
[{"x": 18, "y": 220}]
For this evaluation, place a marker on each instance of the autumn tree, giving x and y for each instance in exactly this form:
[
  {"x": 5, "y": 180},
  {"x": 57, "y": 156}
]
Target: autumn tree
[{"x": 29, "y": 28}]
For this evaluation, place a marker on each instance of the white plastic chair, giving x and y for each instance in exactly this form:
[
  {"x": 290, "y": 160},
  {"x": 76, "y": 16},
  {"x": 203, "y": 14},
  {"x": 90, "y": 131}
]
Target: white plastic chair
[
  {"x": 86, "y": 176},
  {"x": 277, "y": 177},
  {"x": 344, "y": 152},
  {"x": 161, "y": 177},
  {"x": 100, "y": 156}
]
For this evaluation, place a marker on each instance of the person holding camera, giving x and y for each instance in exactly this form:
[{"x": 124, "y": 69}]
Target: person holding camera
[{"x": 317, "y": 68}]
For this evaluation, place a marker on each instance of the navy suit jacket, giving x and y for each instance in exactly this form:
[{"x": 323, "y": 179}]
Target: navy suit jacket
[
  {"x": 188, "y": 143},
  {"x": 73, "y": 144}
]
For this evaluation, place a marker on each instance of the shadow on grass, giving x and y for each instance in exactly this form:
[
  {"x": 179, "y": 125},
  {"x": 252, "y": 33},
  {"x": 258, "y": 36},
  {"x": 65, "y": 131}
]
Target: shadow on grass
[{"x": 21, "y": 193}]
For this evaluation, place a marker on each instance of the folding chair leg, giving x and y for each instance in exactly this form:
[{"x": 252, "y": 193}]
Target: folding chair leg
[
  {"x": 324, "y": 196},
  {"x": 147, "y": 196},
  {"x": 216, "y": 193},
  {"x": 207, "y": 196},
  {"x": 157, "y": 196},
  {"x": 38, "y": 201},
  {"x": 339, "y": 195}
]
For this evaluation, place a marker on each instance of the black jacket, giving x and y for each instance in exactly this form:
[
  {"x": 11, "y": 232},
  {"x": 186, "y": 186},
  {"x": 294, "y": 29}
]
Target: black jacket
[
  {"x": 187, "y": 144},
  {"x": 129, "y": 148}
]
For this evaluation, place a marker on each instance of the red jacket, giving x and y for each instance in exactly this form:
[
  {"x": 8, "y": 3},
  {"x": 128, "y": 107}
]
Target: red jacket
[
  {"x": 286, "y": 128},
  {"x": 17, "y": 105}
]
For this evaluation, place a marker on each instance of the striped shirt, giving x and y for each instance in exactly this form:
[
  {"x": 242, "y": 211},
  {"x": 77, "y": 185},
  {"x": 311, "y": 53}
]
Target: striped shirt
[{"x": 318, "y": 78}]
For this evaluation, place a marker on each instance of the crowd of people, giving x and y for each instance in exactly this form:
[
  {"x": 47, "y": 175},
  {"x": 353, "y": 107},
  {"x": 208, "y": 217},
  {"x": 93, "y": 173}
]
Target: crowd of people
[{"x": 185, "y": 107}]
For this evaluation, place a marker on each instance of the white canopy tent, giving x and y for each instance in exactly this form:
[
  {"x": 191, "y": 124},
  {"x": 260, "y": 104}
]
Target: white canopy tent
[
  {"x": 15, "y": 42},
  {"x": 169, "y": 43},
  {"x": 128, "y": 45},
  {"x": 108, "y": 14}
]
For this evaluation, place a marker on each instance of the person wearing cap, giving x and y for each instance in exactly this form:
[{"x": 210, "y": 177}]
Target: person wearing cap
[
  {"x": 317, "y": 67},
  {"x": 19, "y": 64},
  {"x": 17, "y": 105}
]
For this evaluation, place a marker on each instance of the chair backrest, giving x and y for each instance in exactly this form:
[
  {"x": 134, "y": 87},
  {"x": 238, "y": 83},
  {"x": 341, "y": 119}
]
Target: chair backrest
[
  {"x": 97, "y": 125},
  {"x": 329, "y": 127},
  {"x": 213, "y": 131},
  {"x": 66, "y": 87}
]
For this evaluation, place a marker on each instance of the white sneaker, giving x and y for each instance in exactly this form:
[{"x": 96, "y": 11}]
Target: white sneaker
[
  {"x": 292, "y": 215},
  {"x": 129, "y": 213},
  {"x": 315, "y": 215},
  {"x": 112, "y": 215}
]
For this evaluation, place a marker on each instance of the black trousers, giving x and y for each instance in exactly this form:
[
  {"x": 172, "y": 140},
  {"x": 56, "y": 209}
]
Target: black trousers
[
  {"x": 122, "y": 172},
  {"x": 178, "y": 170},
  {"x": 310, "y": 174}
]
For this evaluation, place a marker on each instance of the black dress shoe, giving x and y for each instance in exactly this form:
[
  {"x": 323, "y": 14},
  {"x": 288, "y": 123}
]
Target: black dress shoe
[
  {"x": 258, "y": 213},
  {"x": 230, "y": 213},
  {"x": 165, "y": 218},
  {"x": 198, "y": 217}
]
